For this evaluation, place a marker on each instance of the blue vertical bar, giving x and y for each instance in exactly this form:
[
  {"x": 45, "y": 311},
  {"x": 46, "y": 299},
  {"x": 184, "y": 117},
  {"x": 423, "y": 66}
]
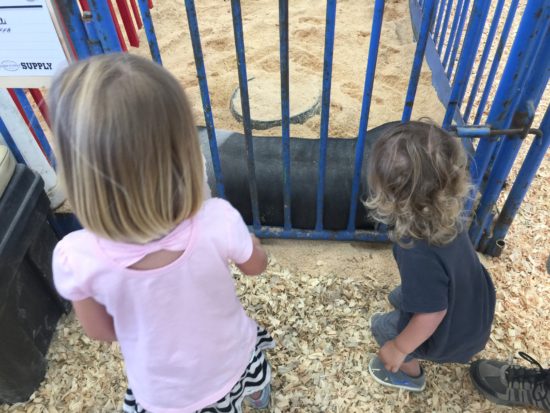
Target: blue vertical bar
[
  {"x": 325, "y": 108},
  {"x": 453, "y": 34},
  {"x": 365, "y": 109},
  {"x": 95, "y": 44},
  {"x": 458, "y": 37},
  {"x": 445, "y": 26},
  {"x": 530, "y": 66},
  {"x": 205, "y": 95},
  {"x": 10, "y": 142},
  {"x": 521, "y": 185},
  {"x": 285, "y": 110},
  {"x": 75, "y": 27},
  {"x": 149, "y": 30},
  {"x": 484, "y": 57},
  {"x": 418, "y": 58},
  {"x": 467, "y": 58},
  {"x": 104, "y": 25},
  {"x": 496, "y": 60},
  {"x": 245, "y": 103},
  {"x": 35, "y": 125},
  {"x": 442, "y": 8}
]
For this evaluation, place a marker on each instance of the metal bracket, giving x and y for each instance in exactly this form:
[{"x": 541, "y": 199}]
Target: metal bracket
[{"x": 485, "y": 131}]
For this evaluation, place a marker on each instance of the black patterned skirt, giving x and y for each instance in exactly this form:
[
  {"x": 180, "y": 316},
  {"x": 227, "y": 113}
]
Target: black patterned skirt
[{"x": 256, "y": 377}]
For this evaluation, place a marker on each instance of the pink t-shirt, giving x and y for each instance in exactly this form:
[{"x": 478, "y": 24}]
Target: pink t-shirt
[{"x": 183, "y": 332}]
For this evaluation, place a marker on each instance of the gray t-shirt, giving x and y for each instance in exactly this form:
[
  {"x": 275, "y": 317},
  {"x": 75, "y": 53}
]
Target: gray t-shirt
[{"x": 451, "y": 277}]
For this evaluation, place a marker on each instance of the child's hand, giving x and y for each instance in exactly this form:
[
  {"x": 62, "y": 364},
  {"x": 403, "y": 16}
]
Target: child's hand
[{"x": 391, "y": 356}]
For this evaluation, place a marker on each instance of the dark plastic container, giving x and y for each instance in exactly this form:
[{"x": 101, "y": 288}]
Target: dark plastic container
[{"x": 29, "y": 305}]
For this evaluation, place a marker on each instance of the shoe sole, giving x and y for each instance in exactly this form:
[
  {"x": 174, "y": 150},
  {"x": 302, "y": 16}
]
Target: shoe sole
[{"x": 396, "y": 386}]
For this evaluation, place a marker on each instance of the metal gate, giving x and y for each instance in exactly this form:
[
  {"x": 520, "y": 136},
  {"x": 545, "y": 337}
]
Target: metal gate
[{"x": 450, "y": 37}]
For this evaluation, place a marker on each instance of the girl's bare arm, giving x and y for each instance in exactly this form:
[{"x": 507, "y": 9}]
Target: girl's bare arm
[
  {"x": 258, "y": 260},
  {"x": 95, "y": 320}
]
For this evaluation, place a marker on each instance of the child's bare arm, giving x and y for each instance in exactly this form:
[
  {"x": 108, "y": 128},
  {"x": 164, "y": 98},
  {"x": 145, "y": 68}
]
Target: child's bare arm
[
  {"x": 420, "y": 328},
  {"x": 257, "y": 262},
  {"x": 95, "y": 320}
]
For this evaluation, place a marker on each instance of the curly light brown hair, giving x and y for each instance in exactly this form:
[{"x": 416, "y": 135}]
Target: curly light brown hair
[{"x": 418, "y": 182}]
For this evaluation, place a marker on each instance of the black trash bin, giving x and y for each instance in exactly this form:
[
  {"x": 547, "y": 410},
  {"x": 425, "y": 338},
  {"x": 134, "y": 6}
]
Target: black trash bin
[{"x": 29, "y": 305}]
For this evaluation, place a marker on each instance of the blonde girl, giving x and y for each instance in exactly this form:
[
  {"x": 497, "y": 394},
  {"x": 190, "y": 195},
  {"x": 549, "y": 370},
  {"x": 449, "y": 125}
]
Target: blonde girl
[
  {"x": 150, "y": 268},
  {"x": 444, "y": 307}
]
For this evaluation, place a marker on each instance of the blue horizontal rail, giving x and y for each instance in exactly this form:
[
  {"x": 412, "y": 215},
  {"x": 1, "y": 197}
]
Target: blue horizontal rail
[{"x": 357, "y": 235}]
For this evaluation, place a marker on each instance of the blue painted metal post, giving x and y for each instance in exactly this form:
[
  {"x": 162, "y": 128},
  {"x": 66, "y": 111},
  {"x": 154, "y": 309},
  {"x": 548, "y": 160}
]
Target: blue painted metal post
[
  {"x": 95, "y": 44},
  {"x": 104, "y": 26},
  {"x": 513, "y": 81},
  {"x": 440, "y": 14},
  {"x": 325, "y": 108},
  {"x": 441, "y": 39},
  {"x": 486, "y": 50},
  {"x": 285, "y": 110},
  {"x": 10, "y": 142},
  {"x": 205, "y": 95},
  {"x": 245, "y": 103},
  {"x": 75, "y": 27},
  {"x": 35, "y": 125},
  {"x": 496, "y": 60},
  {"x": 457, "y": 42},
  {"x": 418, "y": 57},
  {"x": 526, "y": 174},
  {"x": 467, "y": 58},
  {"x": 149, "y": 30},
  {"x": 365, "y": 109},
  {"x": 530, "y": 56},
  {"x": 452, "y": 35}
]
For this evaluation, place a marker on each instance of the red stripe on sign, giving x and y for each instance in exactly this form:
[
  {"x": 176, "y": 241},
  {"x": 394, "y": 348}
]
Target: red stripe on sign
[
  {"x": 128, "y": 22},
  {"x": 137, "y": 16},
  {"x": 117, "y": 27},
  {"x": 41, "y": 103},
  {"x": 84, "y": 5},
  {"x": 150, "y": 4},
  {"x": 25, "y": 118}
]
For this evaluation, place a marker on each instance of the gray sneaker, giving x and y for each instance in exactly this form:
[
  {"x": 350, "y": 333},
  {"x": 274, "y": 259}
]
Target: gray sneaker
[
  {"x": 398, "y": 380},
  {"x": 512, "y": 385}
]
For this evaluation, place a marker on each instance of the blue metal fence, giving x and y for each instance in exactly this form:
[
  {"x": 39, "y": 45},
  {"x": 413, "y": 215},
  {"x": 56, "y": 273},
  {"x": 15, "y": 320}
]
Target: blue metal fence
[{"x": 449, "y": 35}]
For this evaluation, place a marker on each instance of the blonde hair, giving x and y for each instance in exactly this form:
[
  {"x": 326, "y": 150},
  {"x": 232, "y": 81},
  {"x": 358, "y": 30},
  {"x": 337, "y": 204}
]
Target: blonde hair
[
  {"x": 418, "y": 182},
  {"x": 128, "y": 151}
]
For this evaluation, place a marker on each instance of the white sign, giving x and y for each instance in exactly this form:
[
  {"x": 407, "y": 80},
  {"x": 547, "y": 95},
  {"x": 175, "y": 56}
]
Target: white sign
[{"x": 30, "y": 49}]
